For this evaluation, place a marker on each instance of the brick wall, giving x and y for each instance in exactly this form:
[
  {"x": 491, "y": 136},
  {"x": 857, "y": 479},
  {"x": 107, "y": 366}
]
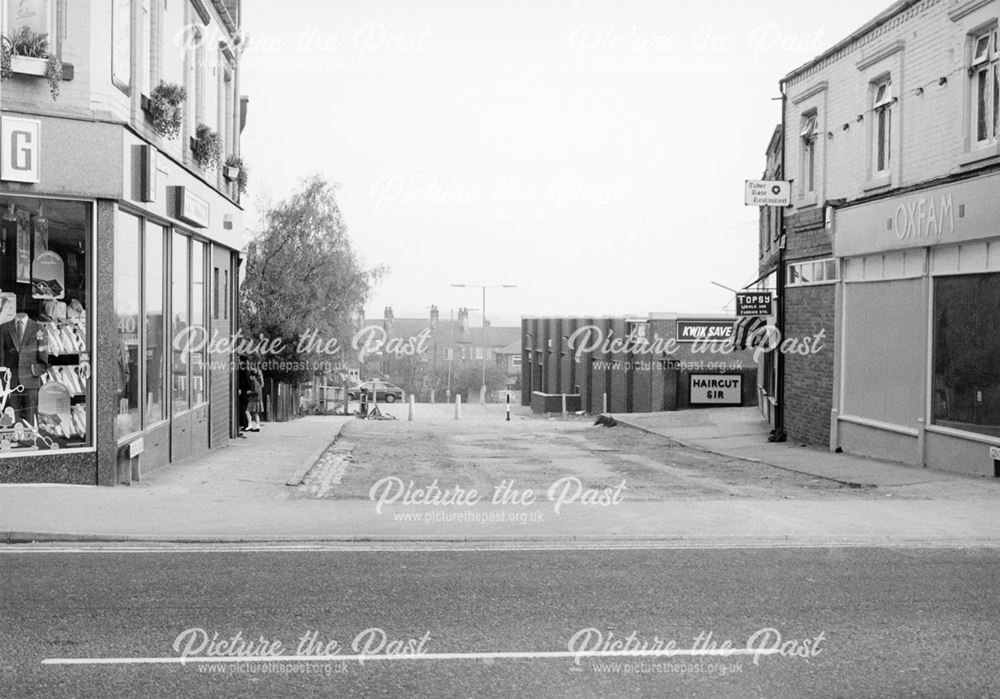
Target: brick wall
[
  {"x": 809, "y": 379},
  {"x": 925, "y": 46},
  {"x": 806, "y": 236}
]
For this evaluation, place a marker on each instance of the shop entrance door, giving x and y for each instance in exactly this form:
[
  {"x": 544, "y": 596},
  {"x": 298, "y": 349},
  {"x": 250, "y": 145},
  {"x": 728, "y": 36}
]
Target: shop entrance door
[{"x": 221, "y": 324}]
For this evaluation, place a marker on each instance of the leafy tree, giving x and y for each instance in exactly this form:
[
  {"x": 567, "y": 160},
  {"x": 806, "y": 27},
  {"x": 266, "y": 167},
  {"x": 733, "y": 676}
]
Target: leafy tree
[
  {"x": 468, "y": 378},
  {"x": 302, "y": 275}
]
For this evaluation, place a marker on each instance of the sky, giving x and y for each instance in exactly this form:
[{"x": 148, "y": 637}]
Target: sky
[{"x": 592, "y": 154}]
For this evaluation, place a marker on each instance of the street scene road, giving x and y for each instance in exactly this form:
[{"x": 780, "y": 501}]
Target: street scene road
[
  {"x": 717, "y": 480},
  {"x": 559, "y": 349},
  {"x": 869, "y": 622},
  {"x": 537, "y": 452},
  {"x": 454, "y": 601}
]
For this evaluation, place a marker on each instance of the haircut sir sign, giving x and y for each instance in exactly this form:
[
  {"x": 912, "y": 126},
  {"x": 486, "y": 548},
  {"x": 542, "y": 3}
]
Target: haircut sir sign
[{"x": 716, "y": 389}]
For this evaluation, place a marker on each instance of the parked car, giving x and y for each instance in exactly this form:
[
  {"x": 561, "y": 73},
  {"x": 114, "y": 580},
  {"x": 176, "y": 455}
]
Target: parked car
[{"x": 383, "y": 390}]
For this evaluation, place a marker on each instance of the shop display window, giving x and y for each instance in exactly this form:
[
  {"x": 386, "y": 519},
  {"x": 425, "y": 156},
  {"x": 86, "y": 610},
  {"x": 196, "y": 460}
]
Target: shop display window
[
  {"x": 198, "y": 359},
  {"x": 180, "y": 364},
  {"x": 45, "y": 337},
  {"x": 128, "y": 418},
  {"x": 966, "y": 384},
  {"x": 156, "y": 351}
]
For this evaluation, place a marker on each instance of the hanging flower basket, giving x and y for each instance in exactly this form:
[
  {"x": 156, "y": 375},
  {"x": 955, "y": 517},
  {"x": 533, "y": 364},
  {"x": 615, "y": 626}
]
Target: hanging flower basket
[
  {"x": 164, "y": 107},
  {"x": 236, "y": 171},
  {"x": 206, "y": 147}
]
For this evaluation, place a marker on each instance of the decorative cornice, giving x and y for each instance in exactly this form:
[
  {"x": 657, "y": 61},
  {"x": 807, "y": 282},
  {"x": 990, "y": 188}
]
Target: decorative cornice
[
  {"x": 881, "y": 54},
  {"x": 966, "y": 8},
  {"x": 810, "y": 92},
  {"x": 891, "y": 19}
]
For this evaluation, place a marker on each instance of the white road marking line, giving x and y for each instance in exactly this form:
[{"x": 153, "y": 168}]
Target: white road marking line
[
  {"x": 492, "y": 655},
  {"x": 389, "y": 547}
]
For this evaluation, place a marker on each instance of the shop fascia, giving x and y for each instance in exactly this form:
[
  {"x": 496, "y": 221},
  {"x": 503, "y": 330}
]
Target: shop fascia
[{"x": 946, "y": 214}]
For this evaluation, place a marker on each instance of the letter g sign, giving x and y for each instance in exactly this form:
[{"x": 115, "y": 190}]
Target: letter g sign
[
  {"x": 21, "y": 150},
  {"x": 19, "y": 143}
]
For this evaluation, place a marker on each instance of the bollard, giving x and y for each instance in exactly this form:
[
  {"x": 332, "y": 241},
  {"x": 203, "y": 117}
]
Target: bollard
[
  {"x": 458, "y": 406},
  {"x": 605, "y": 406},
  {"x": 564, "y": 405},
  {"x": 410, "y": 416},
  {"x": 432, "y": 396},
  {"x": 508, "y": 408}
]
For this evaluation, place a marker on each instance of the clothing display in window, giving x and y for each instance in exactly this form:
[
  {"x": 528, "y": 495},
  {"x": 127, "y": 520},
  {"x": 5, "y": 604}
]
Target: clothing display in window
[
  {"x": 45, "y": 355},
  {"x": 24, "y": 352}
]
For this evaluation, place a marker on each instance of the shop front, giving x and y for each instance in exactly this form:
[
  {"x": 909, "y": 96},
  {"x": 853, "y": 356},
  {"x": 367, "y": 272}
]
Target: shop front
[
  {"x": 628, "y": 365},
  {"x": 116, "y": 263},
  {"x": 919, "y": 352}
]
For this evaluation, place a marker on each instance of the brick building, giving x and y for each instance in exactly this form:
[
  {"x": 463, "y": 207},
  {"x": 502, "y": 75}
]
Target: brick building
[
  {"x": 453, "y": 346},
  {"x": 892, "y": 245},
  {"x": 633, "y": 364},
  {"x": 120, "y": 234}
]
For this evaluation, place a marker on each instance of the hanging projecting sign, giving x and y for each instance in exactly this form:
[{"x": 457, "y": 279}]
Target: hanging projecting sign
[
  {"x": 191, "y": 208},
  {"x": 145, "y": 163},
  {"x": 706, "y": 330},
  {"x": 19, "y": 148},
  {"x": 753, "y": 303},
  {"x": 768, "y": 193},
  {"x": 716, "y": 389}
]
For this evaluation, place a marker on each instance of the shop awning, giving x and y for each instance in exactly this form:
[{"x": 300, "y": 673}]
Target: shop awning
[{"x": 747, "y": 332}]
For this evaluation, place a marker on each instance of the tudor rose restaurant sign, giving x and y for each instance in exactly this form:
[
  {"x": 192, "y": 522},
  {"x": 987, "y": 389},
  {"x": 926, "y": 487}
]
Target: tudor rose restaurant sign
[{"x": 767, "y": 193}]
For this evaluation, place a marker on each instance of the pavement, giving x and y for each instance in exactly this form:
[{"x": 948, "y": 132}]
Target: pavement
[
  {"x": 240, "y": 493},
  {"x": 742, "y": 433}
]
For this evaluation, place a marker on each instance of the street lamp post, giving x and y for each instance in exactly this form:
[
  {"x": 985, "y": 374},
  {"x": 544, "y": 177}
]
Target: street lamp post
[{"x": 484, "y": 287}]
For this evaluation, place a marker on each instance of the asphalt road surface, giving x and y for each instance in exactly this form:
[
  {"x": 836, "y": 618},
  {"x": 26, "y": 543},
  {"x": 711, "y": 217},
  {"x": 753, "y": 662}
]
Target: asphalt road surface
[
  {"x": 482, "y": 453},
  {"x": 851, "y": 621}
]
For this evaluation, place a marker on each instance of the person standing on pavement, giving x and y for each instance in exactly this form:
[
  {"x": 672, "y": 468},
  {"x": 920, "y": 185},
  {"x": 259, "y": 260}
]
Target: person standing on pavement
[
  {"x": 255, "y": 402},
  {"x": 244, "y": 387}
]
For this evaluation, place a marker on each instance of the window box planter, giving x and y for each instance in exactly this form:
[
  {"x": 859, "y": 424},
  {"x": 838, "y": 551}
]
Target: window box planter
[
  {"x": 35, "y": 67},
  {"x": 26, "y": 65},
  {"x": 26, "y": 53},
  {"x": 231, "y": 172}
]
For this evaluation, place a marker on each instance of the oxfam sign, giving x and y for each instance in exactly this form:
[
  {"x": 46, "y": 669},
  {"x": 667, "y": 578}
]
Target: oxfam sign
[{"x": 924, "y": 217}]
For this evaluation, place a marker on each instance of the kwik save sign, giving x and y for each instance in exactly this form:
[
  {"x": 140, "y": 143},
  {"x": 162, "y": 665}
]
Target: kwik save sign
[{"x": 704, "y": 330}]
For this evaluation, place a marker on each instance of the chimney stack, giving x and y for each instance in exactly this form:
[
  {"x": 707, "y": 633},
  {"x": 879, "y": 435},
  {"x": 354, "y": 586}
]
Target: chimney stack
[
  {"x": 388, "y": 319},
  {"x": 463, "y": 320},
  {"x": 434, "y": 317}
]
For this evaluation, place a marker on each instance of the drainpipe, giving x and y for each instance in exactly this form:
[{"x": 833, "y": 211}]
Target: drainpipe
[{"x": 778, "y": 433}]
